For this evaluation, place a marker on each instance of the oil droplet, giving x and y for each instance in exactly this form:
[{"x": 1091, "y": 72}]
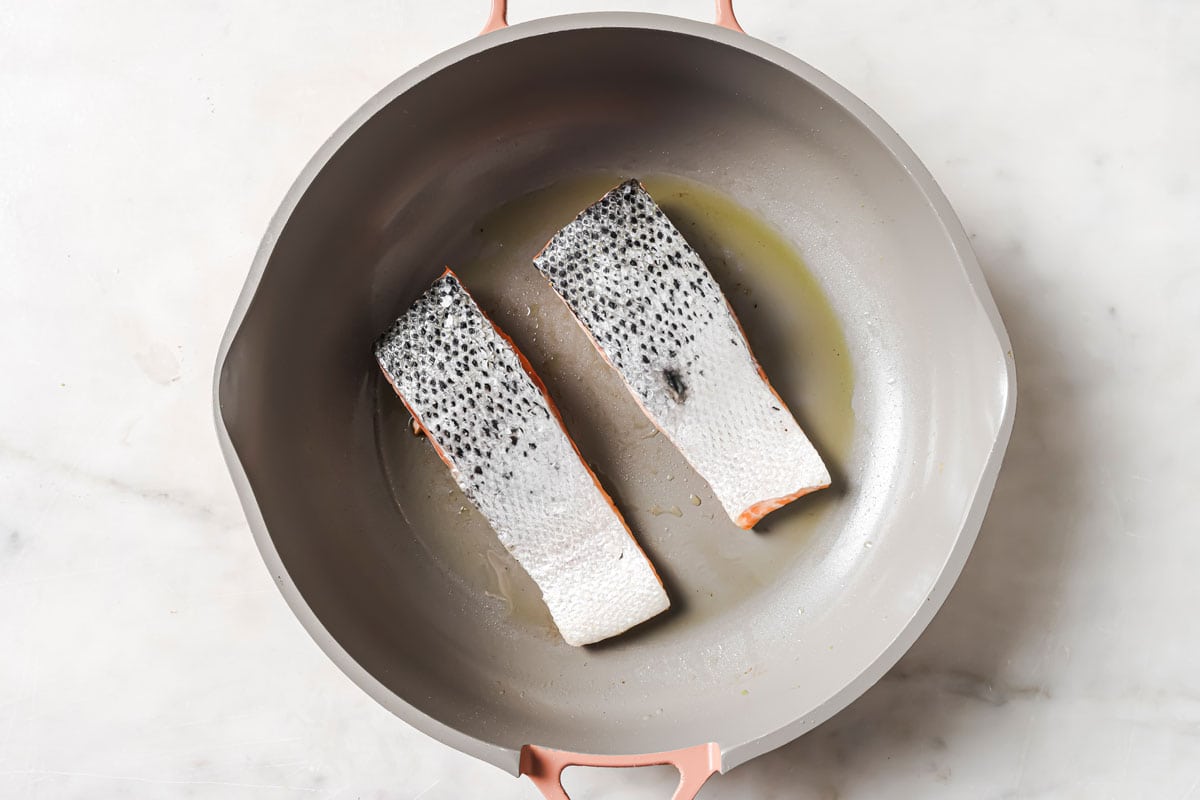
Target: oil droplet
[
  {"x": 869, "y": 544},
  {"x": 670, "y": 477},
  {"x": 658, "y": 511},
  {"x": 694, "y": 500},
  {"x": 502, "y": 583},
  {"x": 462, "y": 509}
]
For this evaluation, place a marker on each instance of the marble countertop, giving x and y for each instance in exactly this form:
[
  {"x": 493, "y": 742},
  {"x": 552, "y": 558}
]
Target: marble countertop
[{"x": 144, "y": 651}]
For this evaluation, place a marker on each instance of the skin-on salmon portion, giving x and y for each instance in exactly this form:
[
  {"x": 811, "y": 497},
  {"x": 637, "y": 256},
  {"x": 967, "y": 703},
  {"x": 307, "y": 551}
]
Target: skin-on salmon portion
[
  {"x": 490, "y": 420},
  {"x": 654, "y": 311}
]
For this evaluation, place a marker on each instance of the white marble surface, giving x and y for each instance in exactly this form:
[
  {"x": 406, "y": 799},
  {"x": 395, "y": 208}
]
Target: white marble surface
[{"x": 145, "y": 653}]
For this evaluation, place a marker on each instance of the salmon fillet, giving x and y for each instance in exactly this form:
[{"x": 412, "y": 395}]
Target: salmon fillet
[
  {"x": 657, "y": 315},
  {"x": 489, "y": 419}
]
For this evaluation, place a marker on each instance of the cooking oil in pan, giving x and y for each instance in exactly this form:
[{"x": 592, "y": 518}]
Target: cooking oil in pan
[{"x": 708, "y": 565}]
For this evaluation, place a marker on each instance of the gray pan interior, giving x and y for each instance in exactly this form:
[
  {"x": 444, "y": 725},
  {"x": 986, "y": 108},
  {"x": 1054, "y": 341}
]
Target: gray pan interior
[{"x": 773, "y": 630}]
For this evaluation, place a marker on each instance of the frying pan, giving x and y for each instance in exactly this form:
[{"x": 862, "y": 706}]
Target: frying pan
[{"x": 858, "y": 291}]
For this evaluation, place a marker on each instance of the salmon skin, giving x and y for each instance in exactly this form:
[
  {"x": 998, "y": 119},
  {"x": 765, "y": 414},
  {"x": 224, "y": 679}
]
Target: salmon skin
[
  {"x": 489, "y": 419},
  {"x": 657, "y": 315}
]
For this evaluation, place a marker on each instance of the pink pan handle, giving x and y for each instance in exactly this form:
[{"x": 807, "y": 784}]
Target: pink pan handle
[
  {"x": 695, "y": 764},
  {"x": 499, "y": 17}
]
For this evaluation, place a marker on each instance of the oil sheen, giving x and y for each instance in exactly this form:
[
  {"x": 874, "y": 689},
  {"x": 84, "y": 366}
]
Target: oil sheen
[{"x": 708, "y": 565}]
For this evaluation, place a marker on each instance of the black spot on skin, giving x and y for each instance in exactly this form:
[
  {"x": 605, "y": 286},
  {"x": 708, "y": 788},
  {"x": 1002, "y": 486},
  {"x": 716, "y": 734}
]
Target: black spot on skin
[{"x": 675, "y": 384}]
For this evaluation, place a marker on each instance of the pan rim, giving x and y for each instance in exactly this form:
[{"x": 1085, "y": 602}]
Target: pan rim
[{"x": 503, "y": 757}]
